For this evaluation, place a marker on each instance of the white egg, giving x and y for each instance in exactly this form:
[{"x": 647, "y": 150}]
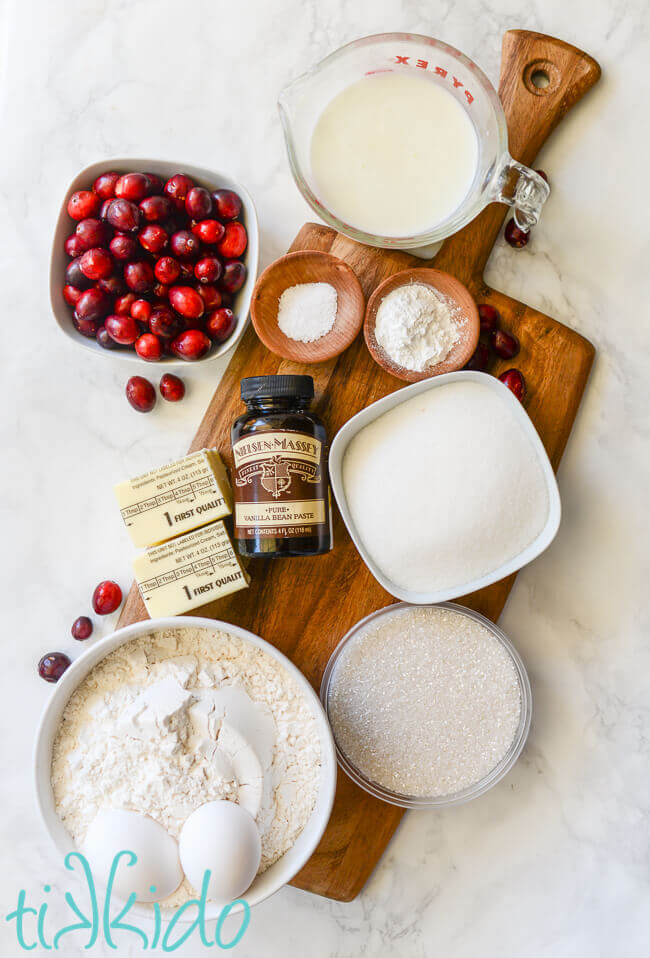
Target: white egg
[
  {"x": 158, "y": 865},
  {"x": 221, "y": 837}
]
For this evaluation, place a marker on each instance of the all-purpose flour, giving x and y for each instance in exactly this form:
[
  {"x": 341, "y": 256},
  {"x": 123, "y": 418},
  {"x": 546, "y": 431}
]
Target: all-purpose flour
[{"x": 181, "y": 717}]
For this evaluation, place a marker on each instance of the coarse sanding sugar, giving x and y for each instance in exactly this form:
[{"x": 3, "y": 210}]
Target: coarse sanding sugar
[{"x": 424, "y": 701}]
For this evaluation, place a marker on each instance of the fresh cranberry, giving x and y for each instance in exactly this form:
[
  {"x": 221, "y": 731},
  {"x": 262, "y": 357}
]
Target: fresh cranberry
[
  {"x": 96, "y": 263},
  {"x": 177, "y": 189},
  {"x": 515, "y": 382},
  {"x": 161, "y": 291},
  {"x": 74, "y": 275},
  {"x": 124, "y": 303},
  {"x": 140, "y": 394},
  {"x": 185, "y": 245},
  {"x": 123, "y": 246},
  {"x": 156, "y": 209},
  {"x": 154, "y": 184},
  {"x": 220, "y": 324},
  {"x": 123, "y": 215},
  {"x": 209, "y": 231},
  {"x": 74, "y": 245},
  {"x": 71, "y": 295},
  {"x": 210, "y": 295},
  {"x": 131, "y": 186},
  {"x": 93, "y": 304},
  {"x": 186, "y": 301},
  {"x": 198, "y": 203},
  {"x": 488, "y": 317},
  {"x": 187, "y": 272},
  {"x": 104, "y": 185},
  {"x": 163, "y": 322},
  {"x": 172, "y": 388},
  {"x": 234, "y": 276},
  {"x": 113, "y": 285},
  {"x": 148, "y": 347},
  {"x": 83, "y": 204},
  {"x": 138, "y": 276},
  {"x": 141, "y": 310},
  {"x": 153, "y": 238},
  {"x": 208, "y": 269},
  {"x": 108, "y": 595},
  {"x": 543, "y": 175},
  {"x": 105, "y": 340},
  {"x": 191, "y": 345},
  {"x": 82, "y": 628},
  {"x": 91, "y": 232},
  {"x": 514, "y": 236},
  {"x": 103, "y": 212},
  {"x": 227, "y": 203},
  {"x": 53, "y": 665},
  {"x": 480, "y": 359},
  {"x": 234, "y": 241},
  {"x": 87, "y": 327},
  {"x": 123, "y": 329},
  {"x": 167, "y": 270},
  {"x": 505, "y": 345}
]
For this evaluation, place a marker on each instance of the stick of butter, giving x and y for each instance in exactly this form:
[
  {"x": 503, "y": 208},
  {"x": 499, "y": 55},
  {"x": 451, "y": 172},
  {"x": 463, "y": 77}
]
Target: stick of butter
[
  {"x": 175, "y": 498},
  {"x": 189, "y": 571}
]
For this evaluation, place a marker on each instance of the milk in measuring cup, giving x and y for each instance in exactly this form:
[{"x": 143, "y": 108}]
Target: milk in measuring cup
[{"x": 393, "y": 154}]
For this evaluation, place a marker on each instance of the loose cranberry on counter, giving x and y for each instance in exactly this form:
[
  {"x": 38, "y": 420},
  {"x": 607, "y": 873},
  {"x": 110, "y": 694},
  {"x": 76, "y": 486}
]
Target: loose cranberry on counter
[
  {"x": 234, "y": 241},
  {"x": 153, "y": 238},
  {"x": 71, "y": 295},
  {"x": 108, "y": 595},
  {"x": 210, "y": 295},
  {"x": 191, "y": 345},
  {"x": 198, "y": 203},
  {"x": 74, "y": 246},
  {"x": 148, "y": 347},
  {"x": 82, "y": 628},
  {"x": 83, "y": 204},
  {"x": 505, "y": 345},
  {"x": 131, "y": 186},
  {"x": 91, "y": 232},
  {"x": 220, "y": 324},
  {"x": 488, "y": 318},
  {"x": 177, "y": 189},
  {"x": 209, "y": 231},
  {"x": 123, "y": 304},
  {"x": 186, "y": 301},
  {"x": 140, "y": 394},
  {"x": 208, "y": 269},
  {"x": 138, "y": 277},
  {"x": 96, "y": 263},
  {"x": 123, "y": 246},
  {"x": 53, "y": 665},
  {"x": 172, "y": 388},
  {"x": 515, "y": 382},
  {"x": 156, "y": 209},
  {"x": 105, "y": 340},
  {"x": 123, "y": 215},
  {"x": 234, "y": 276},
  {"x": 163, "y": 322},
  {"x": 123, "y": 329},
  {"x": 167, "y": 270},
  {"x": 514, "y": 236},
  {"x": 141, "y": 310},
  {"x": 104, "y": 185},
  {"x": 185, "y": 245},
  {"x": 480, "y": 359},
  {"x": 93, "y": 304},
  {"x": 542, "y": 174},
  {"x": 74, "y": 275},
  {"x": 228, "y": 205}
]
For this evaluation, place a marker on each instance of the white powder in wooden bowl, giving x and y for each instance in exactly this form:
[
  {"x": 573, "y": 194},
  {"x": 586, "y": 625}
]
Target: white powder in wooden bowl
[
  {"x": 306, "y": 312},
  {"x": 445, "y": 487},
  {"x": 424, "y": 701}
]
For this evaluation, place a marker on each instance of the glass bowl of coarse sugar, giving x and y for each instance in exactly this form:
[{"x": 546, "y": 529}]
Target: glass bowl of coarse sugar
[{"x": 430, "y": 705}]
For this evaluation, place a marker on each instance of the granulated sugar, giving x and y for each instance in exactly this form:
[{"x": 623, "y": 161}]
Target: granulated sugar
[
  {"x": 424, "y": 701},
  {"x": 307, "y": 312}
]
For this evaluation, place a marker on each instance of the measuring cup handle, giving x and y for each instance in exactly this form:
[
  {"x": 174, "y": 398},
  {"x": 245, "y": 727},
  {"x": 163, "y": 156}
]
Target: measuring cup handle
[{"x": 522, "y": 188}]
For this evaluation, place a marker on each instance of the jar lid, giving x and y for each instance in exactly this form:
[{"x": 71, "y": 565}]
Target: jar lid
[{"x": 271, "y": 387}]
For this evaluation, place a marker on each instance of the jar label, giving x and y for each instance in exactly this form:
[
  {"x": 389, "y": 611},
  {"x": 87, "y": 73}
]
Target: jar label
[{"x": 280, "y": 484}]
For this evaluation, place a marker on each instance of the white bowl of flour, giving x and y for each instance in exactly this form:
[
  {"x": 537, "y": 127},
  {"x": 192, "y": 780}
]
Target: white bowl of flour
[{"x": 89, "y": 755}]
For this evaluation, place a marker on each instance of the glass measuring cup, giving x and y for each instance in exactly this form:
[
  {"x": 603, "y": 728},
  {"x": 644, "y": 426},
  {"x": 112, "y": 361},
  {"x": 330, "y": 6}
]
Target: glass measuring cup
[{"x": 498, "y": 178}]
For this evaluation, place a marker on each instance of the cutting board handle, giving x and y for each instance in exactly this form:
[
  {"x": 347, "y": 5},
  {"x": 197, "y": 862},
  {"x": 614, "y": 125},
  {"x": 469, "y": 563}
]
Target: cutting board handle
[{"x": 541, "y": 79}]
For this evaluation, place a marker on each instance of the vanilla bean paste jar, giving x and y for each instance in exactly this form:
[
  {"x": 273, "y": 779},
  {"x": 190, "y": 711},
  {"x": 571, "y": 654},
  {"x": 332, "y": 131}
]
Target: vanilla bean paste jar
[{"x": 279, "y": 478}]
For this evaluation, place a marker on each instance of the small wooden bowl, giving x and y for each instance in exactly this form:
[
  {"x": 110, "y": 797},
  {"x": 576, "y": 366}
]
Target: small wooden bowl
[
  {"x": 450, "y": 287},
  {"x": 307, "y": 267}
]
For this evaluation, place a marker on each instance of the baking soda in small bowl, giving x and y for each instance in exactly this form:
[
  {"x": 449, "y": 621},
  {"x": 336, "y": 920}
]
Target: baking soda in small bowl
[{"x": 429, "y": 705}]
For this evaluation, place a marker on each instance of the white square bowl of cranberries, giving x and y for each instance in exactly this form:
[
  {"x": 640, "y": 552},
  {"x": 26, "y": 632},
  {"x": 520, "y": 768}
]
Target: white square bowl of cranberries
[{"x": 154, "y": 261}]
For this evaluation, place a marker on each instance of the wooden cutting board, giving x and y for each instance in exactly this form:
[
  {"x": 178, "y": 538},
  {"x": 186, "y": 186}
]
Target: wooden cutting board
[{"x": 304, "y": 606}]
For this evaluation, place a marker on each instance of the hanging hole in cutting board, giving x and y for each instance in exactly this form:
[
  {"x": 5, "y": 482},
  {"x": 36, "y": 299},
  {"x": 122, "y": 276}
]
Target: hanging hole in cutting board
[{"x": 541, "y": 77}]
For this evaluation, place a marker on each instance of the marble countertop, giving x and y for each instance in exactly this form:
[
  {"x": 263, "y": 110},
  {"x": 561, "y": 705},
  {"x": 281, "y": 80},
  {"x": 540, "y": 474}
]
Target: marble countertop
[{"x": 555, "y": 860}]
